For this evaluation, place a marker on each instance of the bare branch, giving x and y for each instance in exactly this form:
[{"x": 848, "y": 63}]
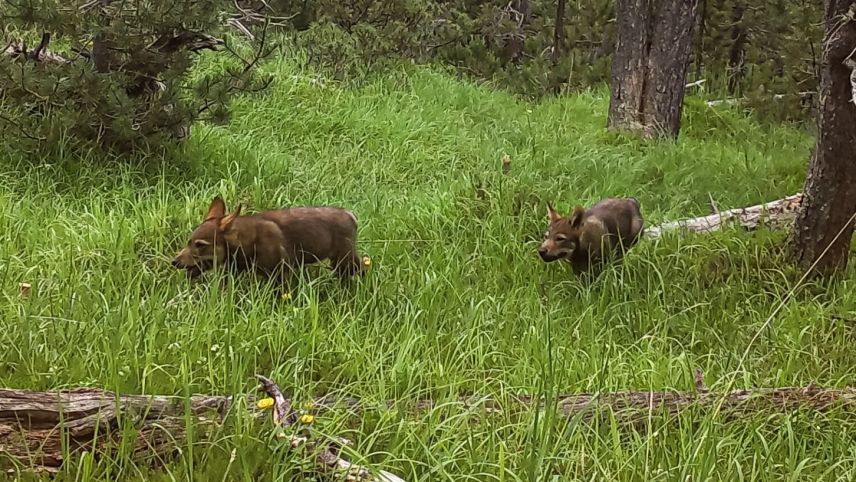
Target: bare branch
[
  {"x": 21, "y": 129},
  {"x": 234, "y": 22}
]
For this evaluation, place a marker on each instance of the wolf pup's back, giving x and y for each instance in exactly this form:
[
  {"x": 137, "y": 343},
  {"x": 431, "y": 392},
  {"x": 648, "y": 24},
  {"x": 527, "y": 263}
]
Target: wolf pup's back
[
  {"x": 316, "y": 233},
  {"x": 622, "y": 218}
]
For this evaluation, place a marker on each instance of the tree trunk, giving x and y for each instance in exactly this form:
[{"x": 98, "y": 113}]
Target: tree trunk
[
  {"x": 668, "y": 65},
  {"x": 559, "y": 32},
  {"x": 629, "y": 65},
  {"x": 737, "y": 52},
  {"x": 702, "y": 25},
  {"x": 824, "y": 226},
  {"x": 649, "y": 70}
]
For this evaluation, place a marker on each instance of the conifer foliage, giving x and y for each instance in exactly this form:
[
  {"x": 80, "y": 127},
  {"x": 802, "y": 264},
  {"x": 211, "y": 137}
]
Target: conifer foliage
[{"x": 115, "y": 74}]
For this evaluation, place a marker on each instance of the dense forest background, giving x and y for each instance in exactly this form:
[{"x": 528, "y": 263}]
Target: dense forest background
[
  {"x": 133, "y": 84},
  {"x": 758, "y": 51}
]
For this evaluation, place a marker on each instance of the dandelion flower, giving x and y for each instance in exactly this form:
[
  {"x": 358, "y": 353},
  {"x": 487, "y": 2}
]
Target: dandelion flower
[{"x": 264, "y": 403}]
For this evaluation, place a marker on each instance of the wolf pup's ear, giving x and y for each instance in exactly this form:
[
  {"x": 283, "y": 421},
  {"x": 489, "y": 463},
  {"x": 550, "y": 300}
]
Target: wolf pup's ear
[
  {"x": 217, "y": 209},
  {"x": 577, "y": 217},
  {"x": 552, "y": 214},
  {"x": 226, "y": 222}
]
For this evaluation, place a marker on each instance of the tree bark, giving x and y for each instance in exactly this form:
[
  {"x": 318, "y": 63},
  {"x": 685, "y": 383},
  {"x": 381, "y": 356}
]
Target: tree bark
[
  {"x": 650, "y": 66},
  {"x": 515, "y": 41},
  {"x": 629, "y": 64},
  {"x": 33, "y": 424},
  {"x": 36, "y": 427},
  {"x": 824, "y": 226},
  {"x": 559, "y": 32},
  {"x": 737, "y": 52},
  {"x": 668, "y": 65},
  {"x": 702, "y": 26}
]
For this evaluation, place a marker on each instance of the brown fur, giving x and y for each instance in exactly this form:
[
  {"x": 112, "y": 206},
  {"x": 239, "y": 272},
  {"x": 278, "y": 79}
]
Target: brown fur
[
  {"x": 588, "y": 237},
  {"x": 273, "y": 242}
]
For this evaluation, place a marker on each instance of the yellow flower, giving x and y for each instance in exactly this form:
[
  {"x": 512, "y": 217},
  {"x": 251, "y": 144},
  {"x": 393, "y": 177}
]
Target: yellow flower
[
  {"x": 265, "y": 403},
  {"x": 308, "y": 405},
  {"x": 286, "y": 295},
  {"x": 307, "y": 419},
  {"x": 367, "y": 261}
]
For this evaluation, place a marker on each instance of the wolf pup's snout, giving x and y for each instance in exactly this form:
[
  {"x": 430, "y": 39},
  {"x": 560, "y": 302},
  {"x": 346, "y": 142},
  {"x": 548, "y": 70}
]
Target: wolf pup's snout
[{"x": 545, "y": 255}]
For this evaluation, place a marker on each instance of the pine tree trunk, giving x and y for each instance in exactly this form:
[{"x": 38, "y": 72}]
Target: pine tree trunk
[
  {"x": 737, "y": 52},
  {"x": 825, "y": 222},
  {"x": 629, "y": 64},
  {"x": 559, "y": 32},
  {"x": 699, "y": 56},
  {"x": 650, "y": 66},
  {"x": 668, "y": 66}
]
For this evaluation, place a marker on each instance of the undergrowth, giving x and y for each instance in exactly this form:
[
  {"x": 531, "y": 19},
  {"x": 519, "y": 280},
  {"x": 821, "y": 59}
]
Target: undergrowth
[{"x": 456, "y": 301}]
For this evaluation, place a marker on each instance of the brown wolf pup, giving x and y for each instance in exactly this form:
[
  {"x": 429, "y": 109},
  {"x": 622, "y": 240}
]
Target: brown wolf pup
[
  {"x": 588, "y": 237},
  {"x": 272, "y": 243}
]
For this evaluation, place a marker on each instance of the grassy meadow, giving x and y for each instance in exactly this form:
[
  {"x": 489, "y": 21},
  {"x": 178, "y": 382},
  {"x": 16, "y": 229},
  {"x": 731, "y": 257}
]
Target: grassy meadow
[{"x": 457, "y": 301}]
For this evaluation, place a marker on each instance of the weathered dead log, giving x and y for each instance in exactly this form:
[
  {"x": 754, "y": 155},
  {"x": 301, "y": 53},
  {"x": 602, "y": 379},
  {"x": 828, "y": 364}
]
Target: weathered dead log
[
  {"x": 32, "y": 424},
  {"x": 630, "y": 405},
  {"x": 776, "y": 213},
  {"x": 735, "y": 101},
  {"x": 635, "y": 406}
]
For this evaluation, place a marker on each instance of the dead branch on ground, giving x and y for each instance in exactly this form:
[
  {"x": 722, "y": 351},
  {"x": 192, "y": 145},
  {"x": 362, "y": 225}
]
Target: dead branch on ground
[
  {"x": 776, "y": 213},
  {"x": 801, "y": 95}
]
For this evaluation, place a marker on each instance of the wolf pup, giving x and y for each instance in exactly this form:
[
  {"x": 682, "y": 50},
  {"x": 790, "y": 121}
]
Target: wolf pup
[
  {"x": 273, "y": 242},
  {"x": 588, "y": 237}
]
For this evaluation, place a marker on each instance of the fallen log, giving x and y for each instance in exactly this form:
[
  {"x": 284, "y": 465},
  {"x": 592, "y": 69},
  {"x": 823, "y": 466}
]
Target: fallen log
[
  {"x": 775, "y": 213},
  {"x": 33, "y": 424},
  {"x": 37, "y": 428},
  {"x": 633, "y": 406},
  {"x": 717, "y": 102}
]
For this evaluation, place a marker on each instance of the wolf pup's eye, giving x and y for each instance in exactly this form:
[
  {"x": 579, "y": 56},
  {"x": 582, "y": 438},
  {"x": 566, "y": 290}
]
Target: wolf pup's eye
[
  {"x": 201, "y": 243},
  {"x": 561, "y": 237}
]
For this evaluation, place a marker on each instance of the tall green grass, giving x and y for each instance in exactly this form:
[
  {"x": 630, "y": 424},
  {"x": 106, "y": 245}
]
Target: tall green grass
[{"x": 457, "y": 301}]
